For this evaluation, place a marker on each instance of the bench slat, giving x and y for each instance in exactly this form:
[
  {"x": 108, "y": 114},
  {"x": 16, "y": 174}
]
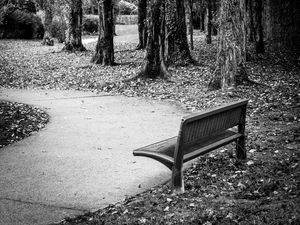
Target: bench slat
[
  {"x": 208, "y": 113},
  {"x": 210, "y": 144},
  {"x": 196, "y": 129}
]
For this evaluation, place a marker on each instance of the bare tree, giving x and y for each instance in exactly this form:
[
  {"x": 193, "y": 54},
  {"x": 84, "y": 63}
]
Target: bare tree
[
  {"x": 191, "y": 26},
  {"x": 231, "y": 55},
  {"x": 154, "y": 61},
  {"x": 259, "y": 37},
  {"x": 48, "y": 7},
  {"x": 209, "y": 22},
  {"x": 73, "y": 18},
  {"x": 255, "y": 21},
  {"x": 142, "y": 16},
  {"x": 177, "y": 48},
  {"x": 104, "y": 53}
]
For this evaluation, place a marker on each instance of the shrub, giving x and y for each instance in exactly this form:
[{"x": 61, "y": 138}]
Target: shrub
[
  {"x": 90, "y": 23},
  {"x": 24, "y": 5},
  {"x": 28, "y": 6},
  {"x": 127, "y": 8},
  {"x": 15, "y": 23},
  {"x": 58, "y": 30},
  {"x": 37, "y": 27}
]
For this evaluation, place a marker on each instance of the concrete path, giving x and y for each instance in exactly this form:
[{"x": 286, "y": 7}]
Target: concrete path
[{"x": 82, "y": 161}]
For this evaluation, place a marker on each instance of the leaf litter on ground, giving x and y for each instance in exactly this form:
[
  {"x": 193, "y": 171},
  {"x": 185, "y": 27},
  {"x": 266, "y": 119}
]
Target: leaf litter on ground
[
  {"x": 18, "y": 121},
  {"x": 219, "y": 189}
]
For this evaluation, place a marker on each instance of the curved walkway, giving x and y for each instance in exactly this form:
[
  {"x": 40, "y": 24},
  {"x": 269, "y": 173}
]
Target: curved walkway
[{"x": 82, "y": 160}]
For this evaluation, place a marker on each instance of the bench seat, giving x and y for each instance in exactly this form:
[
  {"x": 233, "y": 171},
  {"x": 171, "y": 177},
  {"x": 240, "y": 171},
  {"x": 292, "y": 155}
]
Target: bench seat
[{"x": 163, "y": 151}]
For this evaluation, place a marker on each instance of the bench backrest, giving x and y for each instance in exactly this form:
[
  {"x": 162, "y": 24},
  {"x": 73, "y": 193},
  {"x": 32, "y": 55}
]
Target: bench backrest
[{"x": 203, "y": 124}]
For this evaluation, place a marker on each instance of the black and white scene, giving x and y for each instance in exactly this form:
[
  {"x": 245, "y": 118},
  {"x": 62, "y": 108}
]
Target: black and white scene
[{"x": 149, "y": 112}]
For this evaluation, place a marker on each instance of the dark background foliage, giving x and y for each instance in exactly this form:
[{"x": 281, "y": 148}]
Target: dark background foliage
[{"x": 16, "y": 22}]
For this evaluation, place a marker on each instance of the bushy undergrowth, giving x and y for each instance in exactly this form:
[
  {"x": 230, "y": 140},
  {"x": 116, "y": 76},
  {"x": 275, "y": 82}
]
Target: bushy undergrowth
[
  {"x": 90, "y": 23},
  {"x": 58, "y": 30},
  {"x": 24, "y": 5},
  {"x": 15, "y": 23}
]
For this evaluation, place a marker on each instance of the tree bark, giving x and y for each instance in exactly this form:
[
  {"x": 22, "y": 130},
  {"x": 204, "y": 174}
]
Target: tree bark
[
  {"x": 73, "y": 18},
  {"x": 177, "y": 48},
  {"x": 104, "y": 53},
  {"x": 142, "y": 28},
  {"x": 231, "y": 55},
  {"x": 214, "y": 10},
  {"x": 115, "y": 14},
  {"x": 191, "y": 27},
  {"x": 48, "y": 8},
  {"x": 209, "y": 22},
  {"x": 202, "y": 21},
  {"x": 250, "y": 20},
  {"x": 155, "y": 50},
  {"x": 259, "y": 37}
]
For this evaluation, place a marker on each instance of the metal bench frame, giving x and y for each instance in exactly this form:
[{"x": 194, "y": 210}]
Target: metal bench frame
[{"x": 199, "y": 134}]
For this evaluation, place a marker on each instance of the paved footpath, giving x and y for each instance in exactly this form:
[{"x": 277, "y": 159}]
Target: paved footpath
[{"x": 82, "y": 160}]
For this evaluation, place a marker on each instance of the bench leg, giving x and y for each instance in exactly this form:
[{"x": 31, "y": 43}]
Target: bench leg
[
  {"x": 240, "y": 148},
  {"x": 177, "y": 180}
]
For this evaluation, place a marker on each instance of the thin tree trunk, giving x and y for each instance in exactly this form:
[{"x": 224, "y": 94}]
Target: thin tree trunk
[
  {"x": 48, "y": 8},
  {"x": 201, "y": 17},
  {"x": 177, "y": 50},
  {"x": 115, "y": 15},
  {"x": 214, "y": 10},
  {"x": 154, "y": 61},
  {"x": 104, "y": 53},
  {"x": 209, "y": 25},
  {"x": 202, "y": 22},
  {"x": 231, "y": 55},
  {"x": 191, "y": 27},
  {"x": 259, "y": 40},
  {"x": 142, "y": 28},
  {"x": 73, "y": 18},
  {"x": 251, "y": 20}
]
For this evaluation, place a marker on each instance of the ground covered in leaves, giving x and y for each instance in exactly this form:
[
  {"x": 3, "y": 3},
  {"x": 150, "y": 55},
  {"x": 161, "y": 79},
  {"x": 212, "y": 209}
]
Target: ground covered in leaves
[
  {"x": 18, "y": 121},
  {"x": 265, "y": 189}
]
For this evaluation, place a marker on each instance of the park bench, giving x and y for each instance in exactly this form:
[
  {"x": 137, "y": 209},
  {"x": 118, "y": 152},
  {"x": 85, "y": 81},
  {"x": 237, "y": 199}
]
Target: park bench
[{"x": 200, "y": 133}]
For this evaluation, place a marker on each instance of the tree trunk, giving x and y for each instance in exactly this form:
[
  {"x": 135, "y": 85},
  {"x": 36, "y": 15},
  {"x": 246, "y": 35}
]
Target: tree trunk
[
  {"x": 214, "y": 10},
  {"x": 202, "y": 21},
  {"x": 92, "y": 10},
  {"x": 209, "y": 25},
  {"x": 251, "y": 20},
  {"x": 231, "y": 54},
  {"x": 142, "y": 28},
  {"x": 48, "y": 8},
  {"x": 73, "y": 18},
  {"x": 104, "y": 53},
  {"x": 191, "y": 27},
  {"x": 177, "y": 48},
  {"x": 154, "y": 61},
  {"x": 115, "y": 15},
  {"x": 259, "y": 38}
]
